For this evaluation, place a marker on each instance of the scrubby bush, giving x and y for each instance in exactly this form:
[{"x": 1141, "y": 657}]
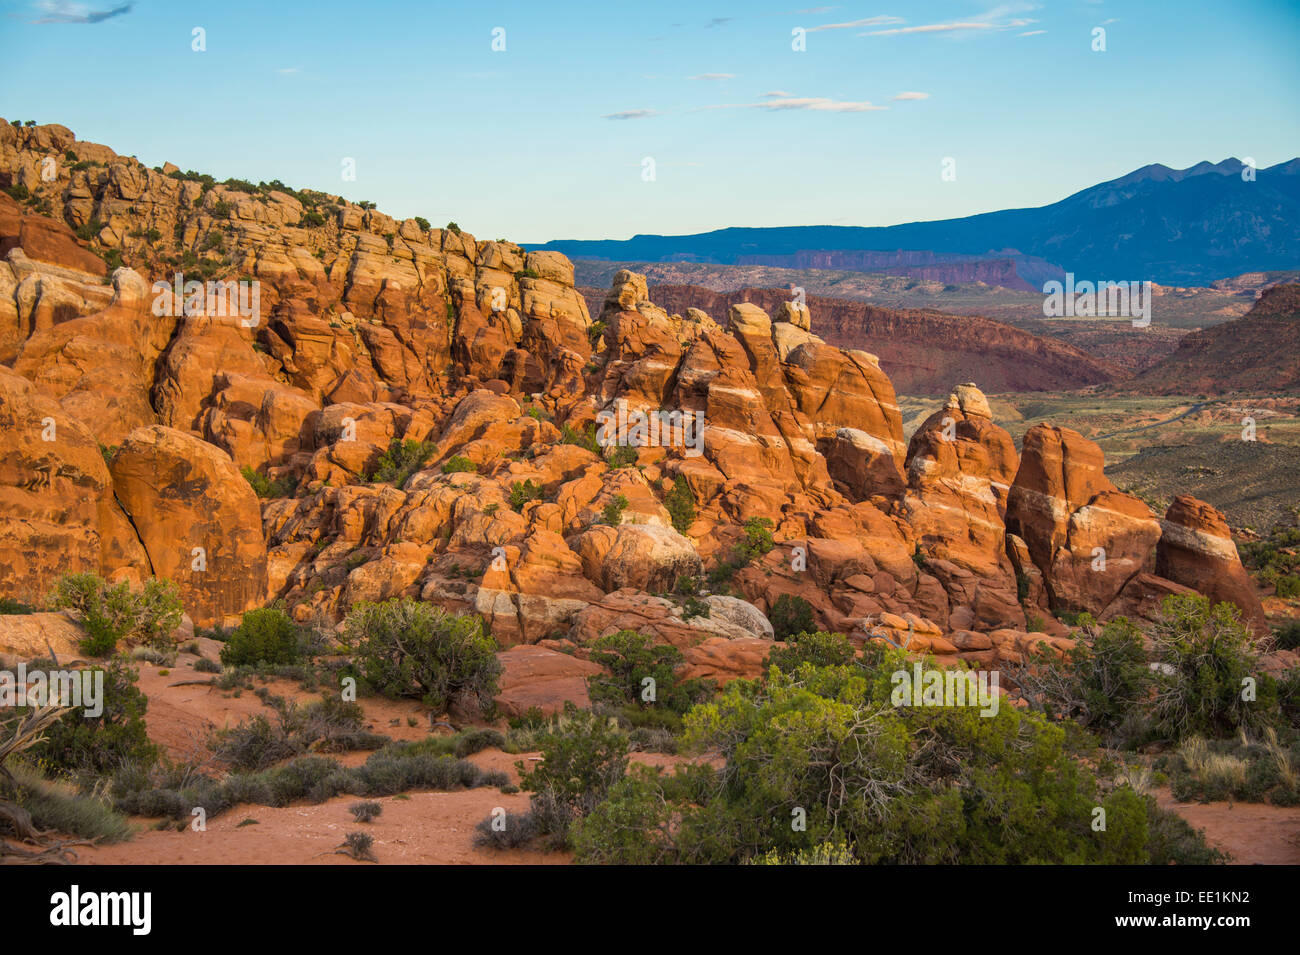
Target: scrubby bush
[
  {"x": 266, "y": 635},
  {"x": 400, "y": 461},
  {"x": 680, "y": 504},
  {"x": 264, "y": 487},
  {"x": 404, "y": 648},
  {"x": 329, "y": 725},
  {"x": 825, "y": 746},
  {"x": 612, "y": 513},
  {"x": 791, "y": 616},
  {"x": 458, "y": 464},
  {"x": 582, "y": 439},
  {"x": 820, "y": 649},
  {"x": 365, "y": 811},
  {"x": 632, "y": 659},
  {"x": 1189, "y": 676},
  {"x": 579, "y": 767},
  {"x": 114, "y": 613},
  {"x": 521, "y": 492},
  {"x": 85, "y": 746}
]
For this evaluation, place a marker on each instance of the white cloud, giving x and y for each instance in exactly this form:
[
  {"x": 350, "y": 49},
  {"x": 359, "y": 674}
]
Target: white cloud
[
  {"x": 931, "y": 28},
  {"x": 1032, "y": 33},
  {"x": 712, "y": 76},
  {"x": 868, "y": 22},
  {"x": 912, "y": 95},
  {"x": 816, "y": 104}
]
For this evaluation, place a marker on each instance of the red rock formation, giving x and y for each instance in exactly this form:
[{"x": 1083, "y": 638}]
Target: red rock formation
[{"x": 1196, "y": 550}]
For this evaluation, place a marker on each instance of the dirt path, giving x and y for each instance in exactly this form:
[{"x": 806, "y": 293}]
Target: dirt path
[{"x": 1252, "y": 832}]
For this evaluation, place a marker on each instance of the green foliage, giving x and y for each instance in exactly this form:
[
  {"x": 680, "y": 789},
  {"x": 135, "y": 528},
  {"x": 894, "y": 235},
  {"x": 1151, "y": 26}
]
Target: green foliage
[
  {"x": 758, "y": 538},
  {"x": 404, "y": 648},
  {"x": 452, "y": 227},
  {"x": 695, "y": 607},
  {"x": 612, "y": 513},
  {"x": 84, "y": 815},
  {"x": 680, "y": 504},
  {"x": 88, "y": 746},
  {"x": 1211, "y": 653},
  {"x": 633, "y": 658},
  {"x": 820, "y": 649},
  {"x": 329, "y": 725},
  {"x": 458, "y": 464},
  {"x": 12, "y": 607},
  {"x": 264, "y": 487},
  {"x": 1288, "y": 635},
  {"x": 594, "y": 332},
  {"x": 222, "y": 209},
  {"x": 19, "y": 192},
  {"x": 791, "y": 616},
  {"x": 400, "y": 461},
  {"x": 1288, "y": 586},
  {"x": 266, "y": 635},
  {"x": 622, "y": 456},
  {"x": 88, "y": 231},
  {"x": 521, "y": 492},
  {"x": 311, "y": 219},
  {"x": 583, "y": 439},
  {"x": 423, "y": 223},
  {"x": 1190, "y": 680},
  {"x": 528, "y": 274},
  {"x": 113, "y": 613},
  {"x": 1240, "y": 769},
  {"x": 936, "y": 785},
  {"x": 578, "y": 769}
]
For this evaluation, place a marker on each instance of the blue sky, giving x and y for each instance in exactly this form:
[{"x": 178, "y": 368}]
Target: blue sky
[{"x": 547, "y": 138}]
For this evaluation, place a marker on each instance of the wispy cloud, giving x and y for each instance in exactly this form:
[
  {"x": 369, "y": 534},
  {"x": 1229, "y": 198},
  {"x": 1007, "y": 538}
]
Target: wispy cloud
[
  {"x": 931, "y": 28},
  {"x": 712, "y": 76},
  {"x": 59, "y": 11},
  {"x": 1032, "y": 33},
  {"x": 632, "y": 114},
  {"x": 780, "y": 101},
  {"x": 868, "y": 22},
  {"x": 719, "y": 21},
  {"x": 912, "y": 95}
]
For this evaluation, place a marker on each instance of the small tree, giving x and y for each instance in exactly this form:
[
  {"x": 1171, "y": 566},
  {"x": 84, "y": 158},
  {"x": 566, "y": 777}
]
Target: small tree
[
  {"x": 266, "y": 635},
  {"x": 405, "y": 648}
]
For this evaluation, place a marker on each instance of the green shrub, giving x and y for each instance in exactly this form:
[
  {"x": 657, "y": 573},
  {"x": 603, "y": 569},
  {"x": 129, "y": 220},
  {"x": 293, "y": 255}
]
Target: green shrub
[
  {"x": 264, "y": 487},
  {"x": 622, "y": 456},
  {"x": 312, "y": 219},
  {"x": 113, "y": 613},
  {"x": 400, "y": 461},
  {"x": 791, "y": 616},
  {"x": 632, "y": 659},
  {"x": 1287, "y": 636},
  {"x": 1288, "y": 586},
  {"x": 423, "y": 223},
  {"x": 404, "y": 648},
  {"x": 88, "y": 746},
  {"x": 901, "y": 785},
  {"x": 10, "y": 606},
  {"x": 680, "y": 504},
  {"x": 365, "y": 811},
  {"x": 578, "y": 769},
  {"x": 583, "y": 439},
  {"x": 458, "y": 464},
  {"x": 612, "y": 513},
  {"x": 820, "y": 649},
  {"x": 266, "y": 635},
  {"x": 521, "y": 492}
]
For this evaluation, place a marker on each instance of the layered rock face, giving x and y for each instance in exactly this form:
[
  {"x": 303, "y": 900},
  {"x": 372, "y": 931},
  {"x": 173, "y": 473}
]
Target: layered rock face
[{"x": 433, "y": 416}]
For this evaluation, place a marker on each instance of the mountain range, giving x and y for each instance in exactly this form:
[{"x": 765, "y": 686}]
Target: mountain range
[{"x": 1171, "y": 226}]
